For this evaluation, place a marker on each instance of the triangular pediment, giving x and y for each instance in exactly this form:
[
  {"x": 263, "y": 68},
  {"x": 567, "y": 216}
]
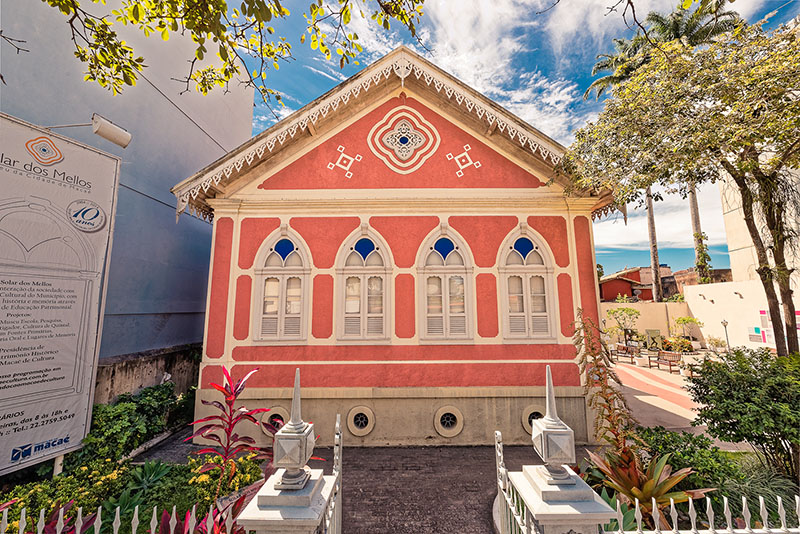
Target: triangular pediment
[
  {"x": 401, "y": 143},
  {"x": 351, "y": 138}
]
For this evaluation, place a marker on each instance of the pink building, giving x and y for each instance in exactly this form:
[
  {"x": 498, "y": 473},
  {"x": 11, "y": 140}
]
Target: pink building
[{"x": 404, "y": 241}]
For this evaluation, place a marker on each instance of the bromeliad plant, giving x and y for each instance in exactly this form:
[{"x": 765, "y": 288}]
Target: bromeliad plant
[
  {"x": 221, "y": 429},
  {"x": 626, "y": 475}
]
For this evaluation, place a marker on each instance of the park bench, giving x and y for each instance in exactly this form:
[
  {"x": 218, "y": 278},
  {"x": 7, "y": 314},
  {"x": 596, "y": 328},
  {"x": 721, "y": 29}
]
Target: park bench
[
  {"x": 670, "y": 359},
  {"x": 625, "y": 351}
]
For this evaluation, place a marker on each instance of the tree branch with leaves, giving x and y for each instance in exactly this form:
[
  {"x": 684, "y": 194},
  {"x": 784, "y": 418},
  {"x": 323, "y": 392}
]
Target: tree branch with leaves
[
  {"x": 732, "y": 109},
  {"x": 231, "y": 41}
]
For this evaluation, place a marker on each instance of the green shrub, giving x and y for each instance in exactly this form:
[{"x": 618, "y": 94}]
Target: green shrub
[
  {"x": 116, "y": 430},
  {"x": 752, "y": 396},
  {"x": 172, "y": 490},
  {"x": 712, "y": 466}
]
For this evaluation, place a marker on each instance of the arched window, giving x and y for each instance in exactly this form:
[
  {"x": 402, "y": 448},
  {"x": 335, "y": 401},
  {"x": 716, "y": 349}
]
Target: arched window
[
  {"x": 527, "y": 285},
  {"x": 445, "y": 284},
  {"x": 364, "y": 279},
  {"x": 282, "y": 280}
]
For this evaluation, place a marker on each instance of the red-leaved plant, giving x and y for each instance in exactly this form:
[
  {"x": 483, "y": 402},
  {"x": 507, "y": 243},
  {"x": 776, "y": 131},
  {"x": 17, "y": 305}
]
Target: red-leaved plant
[
  {"x": 219, "y": 520},
  {"x": 221, "y": 429}
]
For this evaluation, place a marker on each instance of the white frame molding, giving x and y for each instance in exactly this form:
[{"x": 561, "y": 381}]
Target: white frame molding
[
  {"x": 260, "y": 275},
  {"x": 547, "y": 271},
  {"x": 423, "y": 271},
  {"x": 340, "y": 287}
]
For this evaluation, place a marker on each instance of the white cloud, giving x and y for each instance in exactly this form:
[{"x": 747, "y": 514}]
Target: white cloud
[
  {"x": 673, "y": 223},
  {"x": 573, "y": 22},
  {"x": 263, "y": 119},
  {"x": 547, "y": 104},
  {"x": 335, "y": 76}
]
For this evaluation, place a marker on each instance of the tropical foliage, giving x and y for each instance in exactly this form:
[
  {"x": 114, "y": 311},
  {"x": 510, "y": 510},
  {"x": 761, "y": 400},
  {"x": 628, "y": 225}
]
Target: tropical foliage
[
  {"x": 752, "y": 396},
  {"x": 693, "y": 27},
  {"x": 632, "y": 481},
  {"x": 231, "y": 39},
  {"x": 220, "y": 428},
  {"x": 613, "y": 422},
  {"x": 688, "y": 115}
]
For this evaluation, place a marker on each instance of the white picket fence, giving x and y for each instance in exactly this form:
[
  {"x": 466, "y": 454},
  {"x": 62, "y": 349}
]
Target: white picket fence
[
  {"x": 517, "y": 518},
  {"x": 332, "y": 518}
]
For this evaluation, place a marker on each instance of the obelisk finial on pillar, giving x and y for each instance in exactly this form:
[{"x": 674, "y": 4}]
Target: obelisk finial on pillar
[
  {"x": 551, "y": 415},
  {"x": 552, "y": 439},
  {"x": 295, "y": 423},
  {"x": 293, "y": 445}
]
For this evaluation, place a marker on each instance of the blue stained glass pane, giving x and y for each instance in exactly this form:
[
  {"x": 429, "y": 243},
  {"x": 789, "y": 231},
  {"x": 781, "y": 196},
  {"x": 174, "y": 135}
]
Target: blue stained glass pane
[
  {"x": 403, "y": 140},
  {"x": 444, "y": 247},
  {"x": 364, "y": 246},
  {"x": 523, "y": 245},
  {"x": 284, "y": 247}
]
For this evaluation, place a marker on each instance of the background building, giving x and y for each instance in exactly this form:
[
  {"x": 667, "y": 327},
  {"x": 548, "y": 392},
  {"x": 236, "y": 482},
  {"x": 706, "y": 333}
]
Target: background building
[{"x": 158, "y": 272}]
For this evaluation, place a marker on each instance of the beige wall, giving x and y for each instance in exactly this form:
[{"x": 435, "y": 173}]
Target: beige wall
[
  {"x": 739, "y": 303},
  {"x": 654, "y": 315}
]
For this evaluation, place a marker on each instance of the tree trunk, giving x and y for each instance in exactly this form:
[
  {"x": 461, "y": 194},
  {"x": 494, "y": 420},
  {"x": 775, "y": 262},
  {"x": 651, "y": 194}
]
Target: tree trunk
[
  {"x": 783, "y": 276},
  {"x": 697, "y": 232},
  {"x": 763, "y": 269},
  {"x": 655, "y": 267}
]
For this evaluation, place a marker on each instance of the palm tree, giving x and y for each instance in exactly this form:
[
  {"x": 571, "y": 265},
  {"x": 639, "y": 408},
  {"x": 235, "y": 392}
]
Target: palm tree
[
  {"x": 622, "y": 63},
  {"x": 693, "y": 28}
]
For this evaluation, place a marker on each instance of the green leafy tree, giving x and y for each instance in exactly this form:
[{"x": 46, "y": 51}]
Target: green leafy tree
[
  {"x": 232, "y": 39},
  {"x": 752, "y": 396},
  {"x": 691, "y": 114}
]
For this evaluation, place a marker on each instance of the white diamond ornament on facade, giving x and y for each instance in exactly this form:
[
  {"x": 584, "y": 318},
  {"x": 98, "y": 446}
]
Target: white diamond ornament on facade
[
  {"x": 293, "y": 446},
  {"x": 553, "y": 440}
]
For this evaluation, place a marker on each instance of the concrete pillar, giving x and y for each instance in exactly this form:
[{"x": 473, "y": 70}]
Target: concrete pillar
[{"x": 295, "y": 499}]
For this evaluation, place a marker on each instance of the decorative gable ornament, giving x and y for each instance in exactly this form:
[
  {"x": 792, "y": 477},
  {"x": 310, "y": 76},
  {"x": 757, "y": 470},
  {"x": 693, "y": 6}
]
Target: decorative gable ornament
[{"x": 403, "y": 140}]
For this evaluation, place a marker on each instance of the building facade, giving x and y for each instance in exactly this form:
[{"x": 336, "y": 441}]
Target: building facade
[{"x": 405, "y": 243}]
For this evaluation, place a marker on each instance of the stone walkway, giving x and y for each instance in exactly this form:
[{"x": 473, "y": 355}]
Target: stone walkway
[{"x": 657, "y": 398}]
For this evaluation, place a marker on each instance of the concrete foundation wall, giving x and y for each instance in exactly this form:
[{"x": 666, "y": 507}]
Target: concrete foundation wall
[
  {"x": 407, "y": 416},
  {"x": 131, "y": 372}
]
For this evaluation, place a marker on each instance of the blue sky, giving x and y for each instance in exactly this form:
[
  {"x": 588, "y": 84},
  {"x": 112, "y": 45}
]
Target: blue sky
[{"x": 537, "y": 65}]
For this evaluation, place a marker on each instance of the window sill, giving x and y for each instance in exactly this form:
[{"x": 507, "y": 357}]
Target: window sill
[
  {"x": 447, "y": 341},
  {"x": 530, "y": 341}
]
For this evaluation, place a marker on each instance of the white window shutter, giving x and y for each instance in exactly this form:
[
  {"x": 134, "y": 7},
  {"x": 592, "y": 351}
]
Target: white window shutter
[
  {"x": 435, "y": 325},
  {"x": 375, "y": 326},
  {"x": 458, "y": 325},
  {"x": 352, "y": 325},
  {"x": 516, "y": 325},
  {"x": 269, "y": 326},
  {"x": 540, "y": 325},
  {"x": 291, "y": 326}
]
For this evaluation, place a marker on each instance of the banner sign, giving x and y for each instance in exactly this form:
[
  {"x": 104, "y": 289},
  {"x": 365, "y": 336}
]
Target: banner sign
[{"x": 56, "y": 220}]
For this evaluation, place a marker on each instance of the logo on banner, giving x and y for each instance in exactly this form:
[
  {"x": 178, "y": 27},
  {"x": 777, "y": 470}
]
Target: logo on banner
[
  {"x": 31, "y": 449},
  {"x": 86, "y": 216},
  {"x": 44, "y": 150},
  {"x": 20, "y": 453}
]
